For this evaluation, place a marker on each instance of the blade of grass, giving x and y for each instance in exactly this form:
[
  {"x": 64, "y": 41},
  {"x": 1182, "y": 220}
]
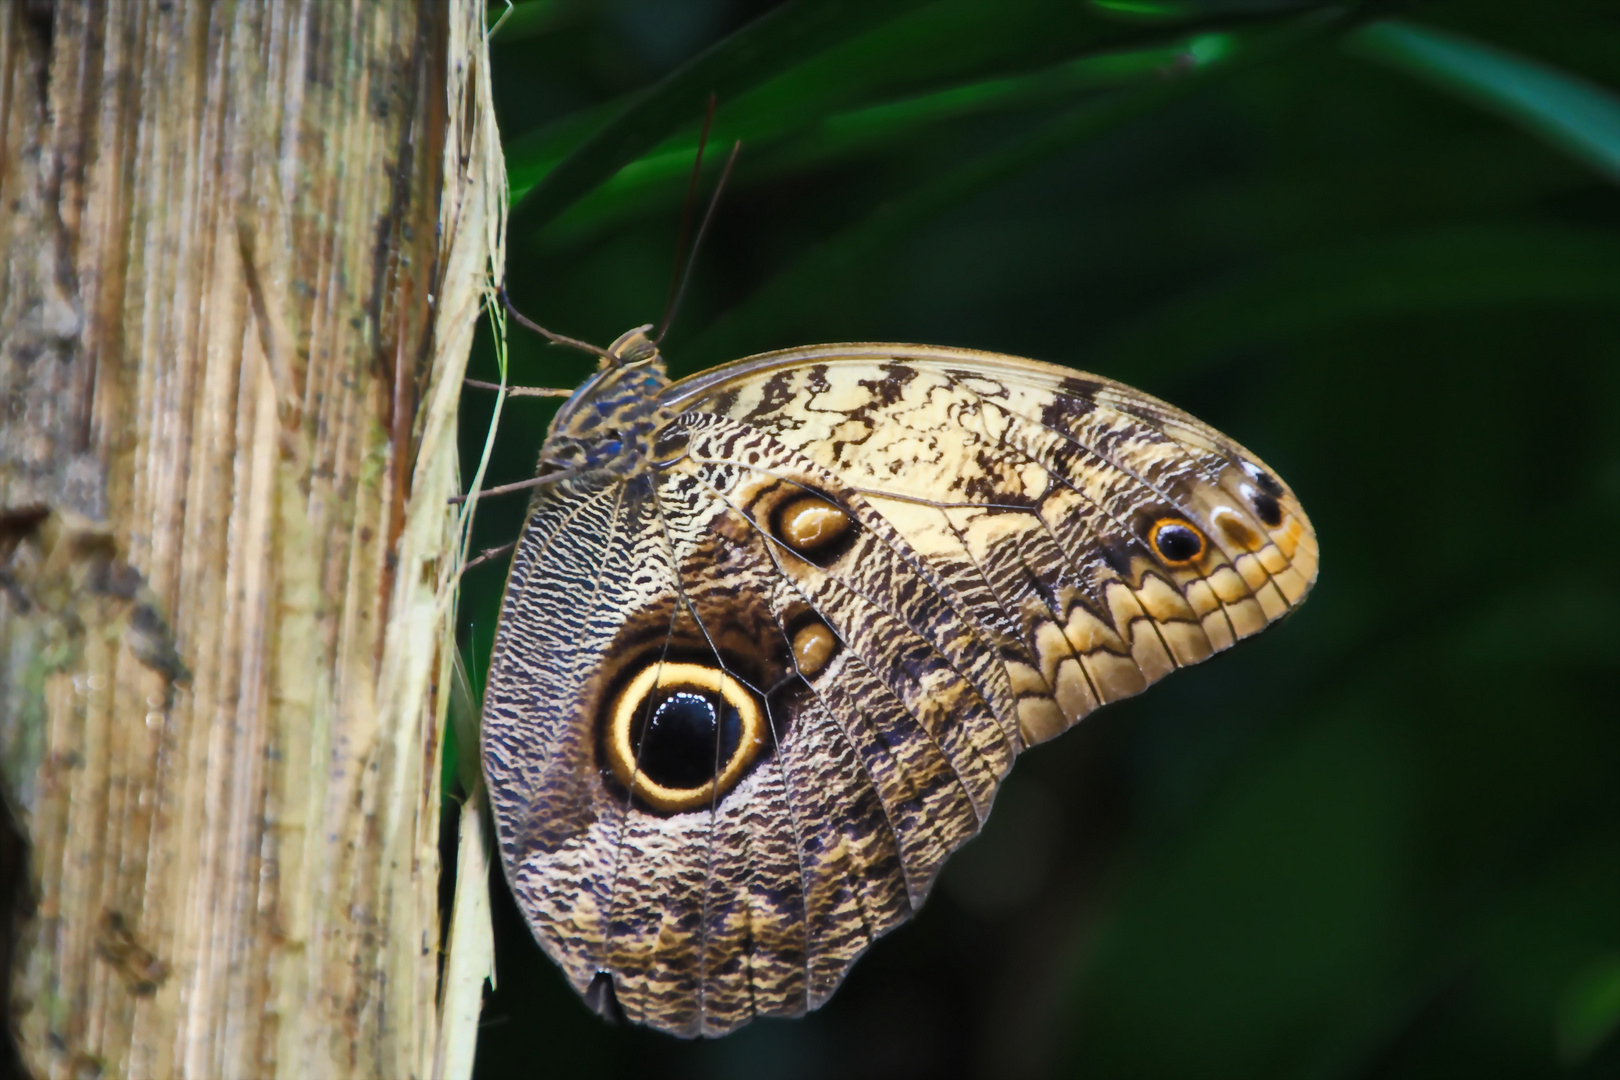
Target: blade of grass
[
  {"x": 1580, "y": 118},
  {"x": 531, "y": 156},
  {"x": 964, "y": 39}
]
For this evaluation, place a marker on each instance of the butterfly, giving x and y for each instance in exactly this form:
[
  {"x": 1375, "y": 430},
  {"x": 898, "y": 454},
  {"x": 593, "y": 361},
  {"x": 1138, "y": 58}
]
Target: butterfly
[{"x": 774, "y": 633}]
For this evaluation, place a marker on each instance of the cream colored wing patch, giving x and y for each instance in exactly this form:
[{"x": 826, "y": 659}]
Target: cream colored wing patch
[{"x": 1100, "y": 537}]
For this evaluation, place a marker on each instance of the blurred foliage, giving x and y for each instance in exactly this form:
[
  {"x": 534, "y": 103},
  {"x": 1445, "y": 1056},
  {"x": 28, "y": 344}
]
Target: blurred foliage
[{"x": 1380, "y": 245}]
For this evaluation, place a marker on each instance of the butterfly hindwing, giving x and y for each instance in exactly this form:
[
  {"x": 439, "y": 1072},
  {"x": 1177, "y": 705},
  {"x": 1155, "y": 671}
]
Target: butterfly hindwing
[{"x": 747, "y": 698}]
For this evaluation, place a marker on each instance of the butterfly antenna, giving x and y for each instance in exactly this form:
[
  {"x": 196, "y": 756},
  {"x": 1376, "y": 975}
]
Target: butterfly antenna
[
  {"x": 703, "y": 230},
  {"x": 685, "y": 230}
]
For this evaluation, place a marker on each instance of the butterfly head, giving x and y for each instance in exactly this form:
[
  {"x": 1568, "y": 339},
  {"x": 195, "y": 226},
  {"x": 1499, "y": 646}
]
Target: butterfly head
[
  {"x": 608, "y": 423},
  {"x": 634, "y": 348}
]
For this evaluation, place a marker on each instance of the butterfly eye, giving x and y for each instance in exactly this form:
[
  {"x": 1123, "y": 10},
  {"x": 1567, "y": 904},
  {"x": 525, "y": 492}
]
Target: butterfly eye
[
  {"x": 680, "y": 735},
  {"x": 1176, "y": 541},
  {"x": 811, "y": 525}
]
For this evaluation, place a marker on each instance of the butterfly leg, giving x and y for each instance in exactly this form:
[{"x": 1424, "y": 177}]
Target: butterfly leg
[
  {"x": 519, "y": 391},
  {"x": 555, "y": 339},
  {"x": 522, "y": 485},
  {"x": 488, "y": 554}
]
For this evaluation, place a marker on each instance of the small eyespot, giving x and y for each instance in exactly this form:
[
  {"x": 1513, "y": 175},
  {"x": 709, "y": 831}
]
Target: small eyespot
[
  {"x": 1264, "y": 480},
  {"x": 813, "y": 648},
  {"x": 680, "y": 735},
  {"x": 1269, "y": 509},
  {"x": 1236, "y": 531},
  {"x": 1176, "y": 541},
  {"x": 810, "y": 524}
]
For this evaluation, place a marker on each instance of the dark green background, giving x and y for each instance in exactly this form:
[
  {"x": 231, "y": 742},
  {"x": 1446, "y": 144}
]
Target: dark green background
[{"x": 1384, "y": 838}]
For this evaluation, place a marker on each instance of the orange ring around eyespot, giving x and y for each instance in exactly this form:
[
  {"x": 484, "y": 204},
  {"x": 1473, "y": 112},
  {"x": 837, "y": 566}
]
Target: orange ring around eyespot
[
  {"x": 622, "y": 754},
  {"x": 1180, "y": 523}
]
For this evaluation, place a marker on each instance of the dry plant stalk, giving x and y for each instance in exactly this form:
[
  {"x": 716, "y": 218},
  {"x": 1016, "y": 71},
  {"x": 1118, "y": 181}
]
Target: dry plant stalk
[{"x": 245, "y": 248}]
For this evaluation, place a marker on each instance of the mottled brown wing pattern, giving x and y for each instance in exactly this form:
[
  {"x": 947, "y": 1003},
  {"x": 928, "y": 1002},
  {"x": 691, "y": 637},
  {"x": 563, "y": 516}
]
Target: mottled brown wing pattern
[
  {"x": 1040, "y": 487},
  {"x": 901, "y": 566}
]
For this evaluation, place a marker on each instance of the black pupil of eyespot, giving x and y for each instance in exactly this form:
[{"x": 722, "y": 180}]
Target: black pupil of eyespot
[
  {"x": 1267, "y": 482},
  {"x": 678, "y": 744},
  {"x": 1269, "y": 509},
  {"x": 1176, "y": 542}
]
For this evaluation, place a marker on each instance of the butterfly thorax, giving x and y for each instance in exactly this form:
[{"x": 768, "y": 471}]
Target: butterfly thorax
[{"x": 609, "y": 422}]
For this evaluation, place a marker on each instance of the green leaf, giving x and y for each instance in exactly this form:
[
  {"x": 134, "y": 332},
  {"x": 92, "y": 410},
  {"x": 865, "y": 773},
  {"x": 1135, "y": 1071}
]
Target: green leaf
[
  {"x": 1145, "y": 10},
  {"x": 1001, "y": 57},
  {"x": 1578, "y": 117},
  {"x": 531, "y": 156},
  {"x": 1590, "y": 1012},
  {"x": 878, "y": 128},
  {"x": 1276, "y": 910},
  {"x": 1314, "y": 291},
  {"x": 891, "y": 221},
  {"x": 755, "y": 53}
]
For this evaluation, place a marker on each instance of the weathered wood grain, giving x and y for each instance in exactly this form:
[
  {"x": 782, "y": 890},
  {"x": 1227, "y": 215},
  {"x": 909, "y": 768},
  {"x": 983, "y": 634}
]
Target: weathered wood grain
[{"x": 245, "y": 245}]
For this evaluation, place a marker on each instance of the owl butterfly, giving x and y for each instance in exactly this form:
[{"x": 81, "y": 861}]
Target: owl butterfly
[{"x": 774, "y": 634}]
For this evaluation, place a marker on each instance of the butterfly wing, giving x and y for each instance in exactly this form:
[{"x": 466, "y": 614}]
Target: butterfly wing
[
  {"x": 1036, "y": 490},
  {"x": 902, "y": 565}
]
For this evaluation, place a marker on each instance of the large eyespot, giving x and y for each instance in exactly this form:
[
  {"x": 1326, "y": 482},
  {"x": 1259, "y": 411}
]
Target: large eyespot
[
  {"x": 681, "y": 734},
  {"x": 1176, "y": 541}
]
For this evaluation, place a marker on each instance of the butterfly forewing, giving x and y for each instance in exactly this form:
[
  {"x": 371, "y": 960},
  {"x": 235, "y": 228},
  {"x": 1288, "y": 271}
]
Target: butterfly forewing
[
  {"x": 749, "y": 693},
  {"x": 1048, "y": 485}
]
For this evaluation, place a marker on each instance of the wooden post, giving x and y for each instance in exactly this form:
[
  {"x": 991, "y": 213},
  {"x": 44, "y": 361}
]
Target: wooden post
[{"x": 245, "y": 245}]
